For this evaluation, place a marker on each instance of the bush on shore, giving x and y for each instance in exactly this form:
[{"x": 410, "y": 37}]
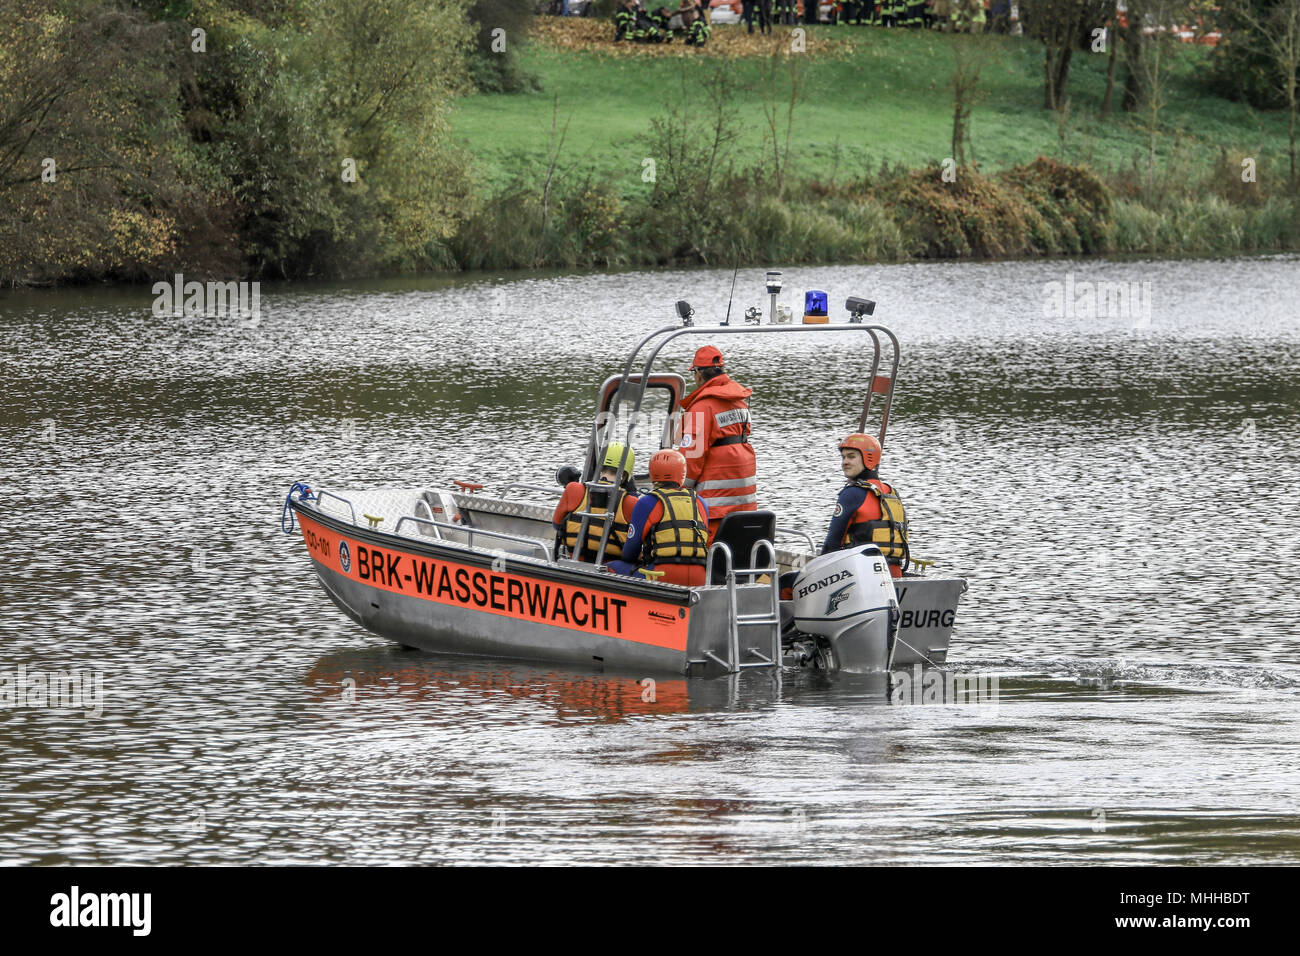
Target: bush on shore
[
  {"x": 295, "y": 139},
  {"x": 1045, "y": 208},
  {"x": 311, "y": 139}
]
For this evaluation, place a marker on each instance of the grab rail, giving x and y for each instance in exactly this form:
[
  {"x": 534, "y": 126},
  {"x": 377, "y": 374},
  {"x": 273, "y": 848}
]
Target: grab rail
[
  {"x": 327, "y": 494},
  {"x": 526, "y": 487},
  {"x": 775, "y": 580},
  {"x": 432, "y": 520},
  {"x": 471, "y": 532},
  {"x": 812, "y": 545},
  {"x": 735, "y": 620}
]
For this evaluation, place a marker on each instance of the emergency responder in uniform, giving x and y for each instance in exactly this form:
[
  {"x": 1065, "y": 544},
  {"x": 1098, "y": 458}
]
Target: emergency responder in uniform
[
  {"x": 867, "y": 511},
  {"x": 568, "y": 520},
  {"x": 660, "y": 17},
  {"x": 669, "y": 527},
  {"x": 625, "y": 21},
  {"x": 696, "y": 27},
  {"x": 942, "y": 14},
  {"x": 720, "y": 462},
  {"x": 970, "y": 17}
]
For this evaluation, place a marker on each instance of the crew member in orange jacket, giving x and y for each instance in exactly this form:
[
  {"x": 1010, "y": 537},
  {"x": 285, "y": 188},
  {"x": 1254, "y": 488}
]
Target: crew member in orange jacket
[
  {"x": 715, "y": 440},
  {"x": 867, "y": 511}
]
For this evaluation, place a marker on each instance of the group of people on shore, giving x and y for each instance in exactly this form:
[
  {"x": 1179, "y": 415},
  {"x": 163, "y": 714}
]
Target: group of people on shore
[
  {"x": 666, "y": 533},
  {"x": 959, "y": 16},
  {"x": 635, "y": 24},
  {"x": 962, "y": 16}
]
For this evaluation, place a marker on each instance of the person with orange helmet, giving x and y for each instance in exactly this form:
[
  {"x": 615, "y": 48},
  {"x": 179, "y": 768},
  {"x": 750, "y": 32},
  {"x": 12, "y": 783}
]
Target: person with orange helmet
[
  {"x": 867, "y": 511},
  {"x": 668, "y": 530},
  {"x": 720, "y": 462}
]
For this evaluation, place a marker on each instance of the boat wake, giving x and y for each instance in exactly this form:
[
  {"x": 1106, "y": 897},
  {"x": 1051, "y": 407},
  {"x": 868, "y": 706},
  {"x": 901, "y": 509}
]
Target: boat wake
[{"x": 1104, "y": 673}]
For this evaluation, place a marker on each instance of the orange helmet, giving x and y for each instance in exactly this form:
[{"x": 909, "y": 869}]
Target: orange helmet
[
  {"x": 865, "y": 445},
  {"x": 668, "y": 464},
  {"x": 707, "y": 357}
]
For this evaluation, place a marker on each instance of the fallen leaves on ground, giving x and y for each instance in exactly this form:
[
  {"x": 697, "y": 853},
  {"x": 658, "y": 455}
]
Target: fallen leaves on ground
[{"x": 729, "y": 40}]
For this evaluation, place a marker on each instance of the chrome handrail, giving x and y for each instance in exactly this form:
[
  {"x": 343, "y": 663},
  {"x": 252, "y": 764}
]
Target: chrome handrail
[
  {"x": 328, "y": 494},
  {"x": 471, "y": 532},
  {"x": 812, "y": 545},
  {"x": 526, "y": 487},
  {"x": 734, "y": 619},
  {"x": 733, "y": 626},
  {"x": 432, "y": 520},
  {"x": 775, "y": 573}
]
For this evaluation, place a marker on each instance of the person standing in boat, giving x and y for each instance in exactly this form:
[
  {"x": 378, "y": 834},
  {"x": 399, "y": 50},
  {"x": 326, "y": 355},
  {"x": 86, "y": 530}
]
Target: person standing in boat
[
  {"x": 720, "y": 462},
  {"x": 568, "y": 518},
  {"x": 668, "y": 532},
  {"x": 867, "y": 511}
]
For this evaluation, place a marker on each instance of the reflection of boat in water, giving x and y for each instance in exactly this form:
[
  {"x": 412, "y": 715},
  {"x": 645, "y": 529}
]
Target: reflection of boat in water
[
  {"x": 460, "y": 572},
  {"x": 389, "y": 672},
  {"x": 571, "y": 693}
]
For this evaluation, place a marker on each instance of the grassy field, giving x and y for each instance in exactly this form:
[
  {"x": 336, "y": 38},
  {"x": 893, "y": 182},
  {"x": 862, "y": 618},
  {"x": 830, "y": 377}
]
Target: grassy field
[{"x": 869, "y": 95}]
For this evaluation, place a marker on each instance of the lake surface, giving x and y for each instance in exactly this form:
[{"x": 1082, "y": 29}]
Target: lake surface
[{"x": 1120, "y": 490}]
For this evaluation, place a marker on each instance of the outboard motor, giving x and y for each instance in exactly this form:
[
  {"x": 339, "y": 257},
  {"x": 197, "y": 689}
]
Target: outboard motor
[{"x": 846, "y": 601}]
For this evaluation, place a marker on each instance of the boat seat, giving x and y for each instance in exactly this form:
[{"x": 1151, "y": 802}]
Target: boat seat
[{"x": 739, "y": 530}]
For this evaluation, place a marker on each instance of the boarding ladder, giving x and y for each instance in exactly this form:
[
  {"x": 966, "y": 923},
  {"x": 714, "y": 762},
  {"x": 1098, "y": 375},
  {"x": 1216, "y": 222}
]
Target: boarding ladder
[
  {"x": 612, "y": 511},
  {"x": 769, "y": 618}
]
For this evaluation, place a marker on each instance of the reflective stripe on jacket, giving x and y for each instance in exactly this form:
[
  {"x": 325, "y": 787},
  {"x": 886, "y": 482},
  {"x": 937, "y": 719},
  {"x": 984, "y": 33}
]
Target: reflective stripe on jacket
[{"x": 720, "y": 462}]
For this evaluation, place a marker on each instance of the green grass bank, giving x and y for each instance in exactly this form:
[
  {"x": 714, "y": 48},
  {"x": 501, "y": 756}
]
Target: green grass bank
[{"x": 868, "y": 133}]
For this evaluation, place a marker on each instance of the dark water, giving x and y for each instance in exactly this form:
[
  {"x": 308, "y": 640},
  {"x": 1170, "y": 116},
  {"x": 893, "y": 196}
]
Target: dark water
[{"x": 1121, "y": 492}]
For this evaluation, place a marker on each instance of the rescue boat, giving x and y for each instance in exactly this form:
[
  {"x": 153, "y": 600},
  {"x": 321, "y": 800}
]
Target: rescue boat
[{"x": 457, "y": 570}]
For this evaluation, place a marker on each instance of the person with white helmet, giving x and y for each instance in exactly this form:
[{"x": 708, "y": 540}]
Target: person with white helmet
[
  {"x": 867, "y": 511},
  {"x": 576, "y": 499},
  {"x": 668, "y": 532}
]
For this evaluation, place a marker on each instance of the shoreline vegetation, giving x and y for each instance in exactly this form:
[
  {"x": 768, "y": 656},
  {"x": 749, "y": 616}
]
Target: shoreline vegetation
[{"x": 300, "y": 145}]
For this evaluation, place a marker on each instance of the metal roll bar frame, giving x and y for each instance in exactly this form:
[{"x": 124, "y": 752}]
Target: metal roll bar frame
[{"x": 670, "y": 332}]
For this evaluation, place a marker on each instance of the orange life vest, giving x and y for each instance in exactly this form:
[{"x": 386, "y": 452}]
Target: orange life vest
[{"x": 880, "y": 520}]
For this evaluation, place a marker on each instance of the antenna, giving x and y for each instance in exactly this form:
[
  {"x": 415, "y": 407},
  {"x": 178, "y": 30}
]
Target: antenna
[{"x": 733, "y": 293}]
